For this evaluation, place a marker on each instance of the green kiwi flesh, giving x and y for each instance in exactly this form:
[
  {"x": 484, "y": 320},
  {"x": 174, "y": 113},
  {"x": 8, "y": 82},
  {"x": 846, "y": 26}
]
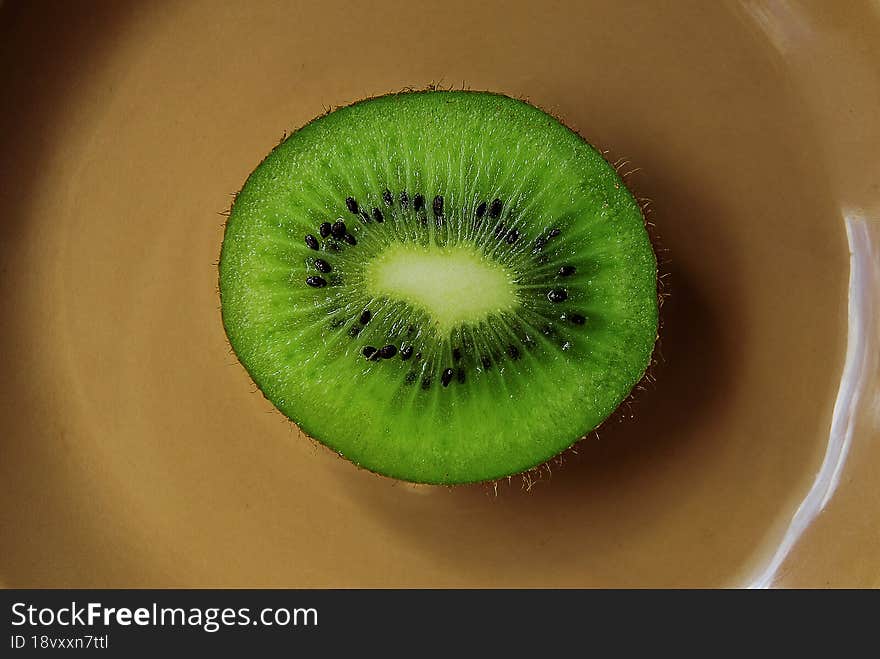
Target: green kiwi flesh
[{"x": 441, "y": 286}]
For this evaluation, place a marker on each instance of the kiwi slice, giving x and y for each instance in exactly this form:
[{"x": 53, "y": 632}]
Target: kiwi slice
[{"x": 443, "y": 287}]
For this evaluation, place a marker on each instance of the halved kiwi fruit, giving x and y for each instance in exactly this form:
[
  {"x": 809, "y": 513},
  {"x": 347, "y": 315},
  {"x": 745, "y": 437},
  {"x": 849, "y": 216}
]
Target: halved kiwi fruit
[{"x": 443, "y": 287}]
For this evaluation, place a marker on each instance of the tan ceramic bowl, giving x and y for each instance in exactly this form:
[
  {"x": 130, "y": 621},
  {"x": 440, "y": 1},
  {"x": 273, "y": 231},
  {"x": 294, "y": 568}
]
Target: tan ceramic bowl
[{"x": 135, "y": 449}]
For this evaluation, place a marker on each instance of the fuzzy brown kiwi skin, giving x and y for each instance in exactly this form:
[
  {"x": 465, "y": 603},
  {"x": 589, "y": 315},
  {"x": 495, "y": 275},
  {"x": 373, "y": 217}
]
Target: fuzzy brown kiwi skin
[{"x": 531, "y": 476}]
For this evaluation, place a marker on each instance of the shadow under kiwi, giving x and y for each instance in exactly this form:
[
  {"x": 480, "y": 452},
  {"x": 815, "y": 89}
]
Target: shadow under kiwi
[{"x": 693, "y": 371}]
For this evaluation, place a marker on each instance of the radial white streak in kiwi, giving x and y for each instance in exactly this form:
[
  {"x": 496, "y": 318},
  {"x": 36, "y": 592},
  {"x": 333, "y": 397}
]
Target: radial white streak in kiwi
[{"x": 453, "y": 284}]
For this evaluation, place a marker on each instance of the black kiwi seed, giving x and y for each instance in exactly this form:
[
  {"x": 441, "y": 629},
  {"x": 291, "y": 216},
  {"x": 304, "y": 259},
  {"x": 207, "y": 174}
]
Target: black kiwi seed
[
  {"x": 418, "y": 356},
  {"x": 366, "y": 315},
  {"x": 577, "y": 319},
  {"x": 495, "y": 209},
  {"x": 481, "y": 209},
  {"x": 387, "y": 352},
  {"x": 354, "y": 330},
  {"x": 322, "y": 266},
  {"x": 446, "y": 378},
  {"x": 418, "y": 202},
  {"x": 351, "y": 204},
  {"x": 325, "y": 229},
  {"x": 338, "y": 229},
  {"x": 331, "y": 246},
  {"x": 554, "y": 232},
  {"x": 512, "y": 352},
  {"x": 567, "y": 271},
  {"x": 406, "y": 353},
  {"x": 411, "y": 377},
  {"x": 548, "y": 330},
  {"x": 311, "y": 241},
  {"x": 387, "y": 197},
  {"x": 540, "y": 243},
  {"x": 377, "y": 215},
  {"x": 486, "y": 362},
  {"x": 351, "y": 240},
  {"x": 438, "y": 206},
  {"x": 460, "y": 376},
  {"x": 404, "y": 199},
  {"x": 365, "y": 217},
  {"x": 316, "y": 282},
  {"x": 557, "y": 295},
  {"x": 426, "y": 383},
  {"x": 456, "y": 355},
  {"x": 512, "y": 236},
  {"x": 411, "y": 330},
  {"x": 499, "y": 230},
  {"x": 369, "y": 351}
]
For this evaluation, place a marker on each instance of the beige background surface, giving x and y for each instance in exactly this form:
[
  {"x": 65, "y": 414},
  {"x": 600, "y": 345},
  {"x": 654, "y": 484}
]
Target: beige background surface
[{"x": 136, "y": 451}]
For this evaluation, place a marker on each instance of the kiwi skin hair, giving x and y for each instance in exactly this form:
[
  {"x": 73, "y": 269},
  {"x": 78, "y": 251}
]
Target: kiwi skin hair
[{"x": 443, "y": 287}]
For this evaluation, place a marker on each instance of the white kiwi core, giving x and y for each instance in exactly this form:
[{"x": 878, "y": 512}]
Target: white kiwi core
[{"x": 453, "y": 284}]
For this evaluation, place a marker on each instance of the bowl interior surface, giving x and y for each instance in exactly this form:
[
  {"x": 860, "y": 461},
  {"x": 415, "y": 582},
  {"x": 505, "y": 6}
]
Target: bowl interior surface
[{"x": 136, "y": 450}]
